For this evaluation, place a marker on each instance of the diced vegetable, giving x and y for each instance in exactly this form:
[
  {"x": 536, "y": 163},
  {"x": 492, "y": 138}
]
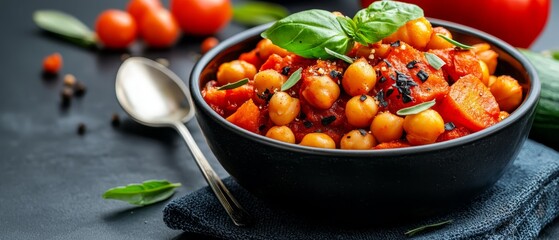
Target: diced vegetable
[
  {"x": 470, "y": 103},
  {"x": 246, "y": 116}
]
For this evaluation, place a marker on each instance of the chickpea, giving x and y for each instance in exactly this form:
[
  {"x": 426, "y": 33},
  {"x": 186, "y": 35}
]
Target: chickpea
[
  {"x": 359, "y": 78},
  {"x": 281, "y": 133},
  {"x": 283, "y": 108},
  {"x": 319, "y": 140},
  {"x": 360, "y": 110},
  {"x": 357, "y": 139},
  {"x": 268, "y": 79},
  {"x": 235, "y": 70},
  {"x": 424, "y": 127},
  {"x": 483, "y": 52},
  {"x": 321, "y": 91},
  {"x": 436, "y": 42},
  {"x": 503, "y": 115},
  {"x": 266, "y": 48},
  {"x": 387, "y": 127},
  {"x": 416, "y": 33},
  {"x": 484, "y": 73},
  {"x": 507, "y": 92}
]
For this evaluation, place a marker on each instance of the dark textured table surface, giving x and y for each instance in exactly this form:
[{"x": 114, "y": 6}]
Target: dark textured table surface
[{"x": 52, "y": 178}]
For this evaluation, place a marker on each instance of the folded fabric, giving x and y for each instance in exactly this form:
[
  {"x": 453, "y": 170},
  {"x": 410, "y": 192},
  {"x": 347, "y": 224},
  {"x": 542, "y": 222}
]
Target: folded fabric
[{"x": 520, "y": 204}]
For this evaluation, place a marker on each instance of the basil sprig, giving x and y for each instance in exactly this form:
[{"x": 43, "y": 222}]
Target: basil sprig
[
  {"x": 234, "y": 85},
  {"x": 309, "y": 33},
  {"x": 292, "y": 80},
  {"x": 434, "y": 61},
  {"x": 455, "y": 43},
  {"x": 65, "y": 26},
  {"x": 145, "y": 193}
]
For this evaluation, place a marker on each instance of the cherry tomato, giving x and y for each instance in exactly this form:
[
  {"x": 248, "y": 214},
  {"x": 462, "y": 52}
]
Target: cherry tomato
[
  {"x": 116, "y": 28},
  {"x": 517, "y": 22},
  {"x": 202, "y": 17},
  {"x": 138, "y": 8},
  {"x": 208, "y": 44},
  {"x": 52, "y": 63},
  {"x": 159, "y": 28}
]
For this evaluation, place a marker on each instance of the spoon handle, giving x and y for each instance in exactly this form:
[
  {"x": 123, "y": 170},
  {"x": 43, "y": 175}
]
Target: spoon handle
[{"x": 239, "y": 216}]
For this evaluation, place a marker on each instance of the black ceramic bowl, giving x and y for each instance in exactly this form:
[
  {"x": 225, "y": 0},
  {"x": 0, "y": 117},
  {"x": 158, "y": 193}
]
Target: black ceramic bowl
[{"x": 381, "y": 184}]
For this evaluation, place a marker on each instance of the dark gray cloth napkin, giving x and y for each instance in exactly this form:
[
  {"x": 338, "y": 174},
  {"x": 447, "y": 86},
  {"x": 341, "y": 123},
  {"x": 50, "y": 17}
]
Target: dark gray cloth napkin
[{"x": 522, "y": 202}]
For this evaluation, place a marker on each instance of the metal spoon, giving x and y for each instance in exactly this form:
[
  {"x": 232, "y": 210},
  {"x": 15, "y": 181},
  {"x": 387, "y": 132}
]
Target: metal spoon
[{"x": 155, "y": 96}]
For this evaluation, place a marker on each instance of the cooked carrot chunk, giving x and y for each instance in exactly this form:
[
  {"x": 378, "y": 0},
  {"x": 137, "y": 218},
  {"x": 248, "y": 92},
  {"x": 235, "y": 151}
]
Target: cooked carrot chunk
[
  {"x": 246, "y": 116},
  {"x": 470, "y": 104}
]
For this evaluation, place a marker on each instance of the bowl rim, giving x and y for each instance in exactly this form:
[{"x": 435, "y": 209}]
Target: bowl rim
[{"x": 526, "y": 107}]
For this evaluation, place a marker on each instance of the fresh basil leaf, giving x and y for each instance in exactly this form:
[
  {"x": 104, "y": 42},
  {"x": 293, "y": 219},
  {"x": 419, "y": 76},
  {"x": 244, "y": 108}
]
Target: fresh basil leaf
[
  {"x": 339, "y": 56},
  {"x": 434, "y": 61},
  {"x": 256, "y": 13},
  {"x": 292, "y": 80},
  {"x": 416, "y": 109},
  {"x": 454, "y": 42},
  {"x": 383, "y": 18},
  {"x": 348, "y": 25},
  {"x": 415, "y": 231},
  {"x": 307, "y": 33},
  {"x": 234, "y": 85},
  {"x": 142, "y": 194},
  {"x": 65, "y": 25}
]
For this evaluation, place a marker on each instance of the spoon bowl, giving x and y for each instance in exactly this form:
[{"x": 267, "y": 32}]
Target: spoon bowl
[
  {"x": 152, "y": 94},
  {"x": 155, "y": 96}
]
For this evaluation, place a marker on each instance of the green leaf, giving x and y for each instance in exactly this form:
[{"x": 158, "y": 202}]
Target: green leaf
[
  {"x": 454, "y": 42},
  {"x": 234, "y": 84},
  {"x": 142, "y": 194},
  {"x": 65, "y": 26},
  {"x": 255, "y": 13},
  {"x": 308, "y": 33},
  {"x": 383, "y": 18},
  {"x": 292, "y": 80},
  {"x": 345, "y": 58},
  {"x": 434, "y": 61},
  {"x": 415, "y": 231},
  {"x": 416, "y": 109},
  {"x": 555, "y": 55}
]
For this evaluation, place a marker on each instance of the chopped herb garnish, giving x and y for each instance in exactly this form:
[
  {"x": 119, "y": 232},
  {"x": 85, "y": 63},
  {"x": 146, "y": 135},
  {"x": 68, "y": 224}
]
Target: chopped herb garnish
[
  {"x": 234, "y": 85},
  {"x": 412, "y": 64},
  {"x": 327, "y": 120},
  {"x": 387, "y": 63},
  {"x": 455, "y": 43},
  {"x": 389, "y": 92},
  {"x": 392, "y": 76},
  {"x": 415, "y": 231},
  {"x": 380, "y": 98},
  {"x": 262, "y": 127},
  {"x": 336, "y": 74},
  {"x": 362, "y": 132},
  {"x": 307, "y": 124},
  {"x": 363, "y": 97},
  {"x": 434, "y": 61},
  {"x": 449, "y": 126},
  {"x": 395, "y": 44},
  {"x": 266, "y": 95},
  {"x": 416, "y": 108},
  {"x": 422, "y": 75},
  {"x": 404, "y": 84},
  {"x": 285, "y": 70},
  {"x": 382, "y": 79},
  {"x": 302, "y": 115},
  {"x": 339, "y": 56},
  {"x": 292, "y": 80}
]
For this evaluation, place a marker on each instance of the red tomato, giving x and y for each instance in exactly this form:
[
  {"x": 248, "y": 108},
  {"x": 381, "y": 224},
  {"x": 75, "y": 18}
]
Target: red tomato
[
  {"x": 517, "y": 22},
  {"x": 138, "y": 8},
  {"x": 52, "y": 63},
  {"x": 115, "y": 28},
  {"x": 159, "y": 28},
  {"x": 202, "y": 17},
  {"x": 208, "y": 44}
]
